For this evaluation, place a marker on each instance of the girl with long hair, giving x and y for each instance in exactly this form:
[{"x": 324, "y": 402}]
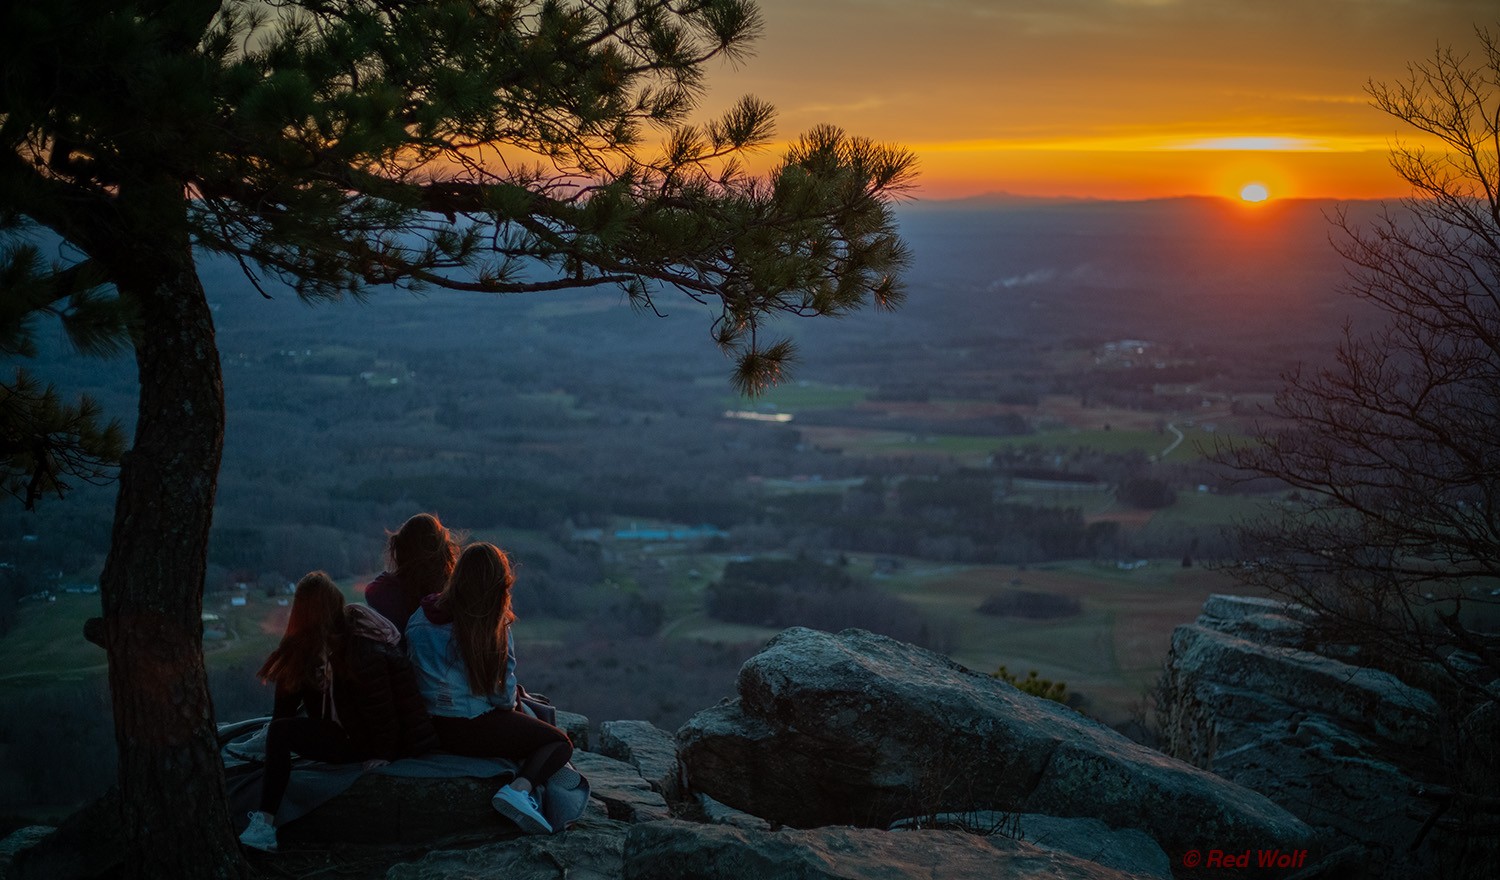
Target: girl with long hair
[
  {"x": 421, "y": 555},
  {"x": 460, "y": 642},
  {"x": 345, "y": 693}
]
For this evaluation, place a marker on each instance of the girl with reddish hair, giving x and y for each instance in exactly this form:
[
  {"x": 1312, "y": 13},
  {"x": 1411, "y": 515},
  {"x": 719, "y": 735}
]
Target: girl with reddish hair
[
  {"x": 421, "y": 555},
  {"x": 460, "y": 642},
  {"x": 345, "y": 693}
]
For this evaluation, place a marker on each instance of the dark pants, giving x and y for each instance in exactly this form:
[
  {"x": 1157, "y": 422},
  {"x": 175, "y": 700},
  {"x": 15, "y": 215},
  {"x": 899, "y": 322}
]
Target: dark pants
[
  {"x": 540, "y": 748},
  {"x": 317, "y": 739}
]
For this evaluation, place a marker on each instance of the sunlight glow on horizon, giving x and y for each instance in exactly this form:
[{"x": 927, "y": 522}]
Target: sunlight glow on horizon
[
  {"x": 1150, "y": 143},
  {"x": 1254, "y": 192},
  {"x": 1112, "y": 99}
]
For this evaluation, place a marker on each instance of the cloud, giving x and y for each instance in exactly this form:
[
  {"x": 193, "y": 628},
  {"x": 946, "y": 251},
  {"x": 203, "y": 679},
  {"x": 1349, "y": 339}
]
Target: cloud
[
  {"x": 863, "y": 105},
  {"x": 1272, "y": 144},
  {"x": 1036, "y": 276},
  {"x": 1082, "y": 273}
]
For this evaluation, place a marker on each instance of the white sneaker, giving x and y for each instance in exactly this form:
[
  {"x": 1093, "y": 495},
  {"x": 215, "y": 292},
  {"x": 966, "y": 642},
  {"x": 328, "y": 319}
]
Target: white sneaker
[
  {"x": 521, "y": 808},
  {"x": 260, "y": 833}
]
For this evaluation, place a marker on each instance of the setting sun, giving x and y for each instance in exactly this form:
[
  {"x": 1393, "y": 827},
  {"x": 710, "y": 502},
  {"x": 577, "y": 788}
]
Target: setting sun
[{"x": 1254, "y": 192}]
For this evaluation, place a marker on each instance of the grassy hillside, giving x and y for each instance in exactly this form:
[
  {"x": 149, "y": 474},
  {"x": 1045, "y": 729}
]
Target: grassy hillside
[{"x": 1110, "y": 653}]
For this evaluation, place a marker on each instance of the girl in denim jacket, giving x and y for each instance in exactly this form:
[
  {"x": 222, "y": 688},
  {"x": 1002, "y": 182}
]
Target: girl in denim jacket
[{"x": 461, "y": 646}]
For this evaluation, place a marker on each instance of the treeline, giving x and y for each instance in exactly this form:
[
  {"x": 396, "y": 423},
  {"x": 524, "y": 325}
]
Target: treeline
[
  {"x": 345, "y": 421},
  {"x": 778, "y": 593},
  {"x": 959, "y": 517}
]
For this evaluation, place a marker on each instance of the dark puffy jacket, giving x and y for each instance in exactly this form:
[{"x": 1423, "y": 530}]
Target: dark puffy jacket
[
  {"x": 378, "y": 702},
  {"x": 387, "y": 595}
]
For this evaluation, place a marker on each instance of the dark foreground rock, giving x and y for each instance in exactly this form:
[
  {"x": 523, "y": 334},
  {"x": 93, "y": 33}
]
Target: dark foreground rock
[
  {"x": 382, "y": 810},
  {"x": 1124, "y": 849},
  {"x": 1356, "y": 751},
  {"x": 646, "y": 747},
  {"x": 577, "y": 728},
  {"x": 687, "y": 851},
  {"x": 86, "y": 845},
  {"x": 21, "y": 839},
  {"x": 592, "y": 850},
  {"x": 626, "y": 796},
  {"x": 859, "y": 729},
  {"x": 386, "y": 810}
]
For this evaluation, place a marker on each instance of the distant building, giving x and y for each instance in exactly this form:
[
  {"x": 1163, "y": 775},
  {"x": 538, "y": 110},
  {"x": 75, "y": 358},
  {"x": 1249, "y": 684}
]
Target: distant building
[
  {"x": 752, "y": 416},
  {"x": 694, "y": 533}
]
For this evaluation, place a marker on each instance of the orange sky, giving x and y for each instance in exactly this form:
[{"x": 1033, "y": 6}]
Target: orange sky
[{"x": 1105, "y": 98}]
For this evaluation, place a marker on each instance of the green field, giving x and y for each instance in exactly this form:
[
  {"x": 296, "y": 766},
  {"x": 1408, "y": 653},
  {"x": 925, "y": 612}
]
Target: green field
[
  {"x": 800, "y": 396},
  {"x": 1111, "y": 652},
  {"x": 47, "y": 643},
  {"x": 973, "y": 447},
  {"x": 1207, "y": 508}
]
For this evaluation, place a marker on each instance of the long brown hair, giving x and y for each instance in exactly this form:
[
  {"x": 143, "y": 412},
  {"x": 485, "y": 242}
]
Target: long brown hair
[
  {"x": 316, "y": 624},
  {"x": 421, "y": 554},
  {"x": 478, "y": 598}
]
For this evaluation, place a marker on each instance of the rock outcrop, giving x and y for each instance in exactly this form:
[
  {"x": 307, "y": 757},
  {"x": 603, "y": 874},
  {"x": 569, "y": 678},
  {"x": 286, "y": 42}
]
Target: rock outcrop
[
  {"x": 859, "y": 729},
  {"x": 687, "y": 851},
  {"x": 576, "y": 727},
  {"x": 646, "y": 747},
  {"x": 1345, "y": 748},
  {"x": 620, "y": 788},
  {"x": 831, "y": 731}
]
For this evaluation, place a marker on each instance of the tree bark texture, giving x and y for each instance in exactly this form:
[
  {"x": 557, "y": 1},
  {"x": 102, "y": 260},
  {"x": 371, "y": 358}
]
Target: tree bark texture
[{"x": 173, "y": 809}]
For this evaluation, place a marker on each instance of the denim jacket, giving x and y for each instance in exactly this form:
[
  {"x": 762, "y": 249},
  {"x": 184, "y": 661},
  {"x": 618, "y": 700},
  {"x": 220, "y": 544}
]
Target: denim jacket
[{"x": 441, "y": 675}]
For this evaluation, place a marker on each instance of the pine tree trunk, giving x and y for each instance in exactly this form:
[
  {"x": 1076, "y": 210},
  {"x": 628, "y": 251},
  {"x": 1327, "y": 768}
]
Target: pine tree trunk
[{"x": 174, "y": 814}]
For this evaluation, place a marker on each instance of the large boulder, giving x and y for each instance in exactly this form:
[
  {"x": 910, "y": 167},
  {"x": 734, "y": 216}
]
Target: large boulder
[
  {"x": 382, "y": 810},
  {"x": 859, "y": 729},
  {"x": 1266, "y": 679},
  {"x": 686, "y": 851},
  {"x": 1250, "y": 695}
]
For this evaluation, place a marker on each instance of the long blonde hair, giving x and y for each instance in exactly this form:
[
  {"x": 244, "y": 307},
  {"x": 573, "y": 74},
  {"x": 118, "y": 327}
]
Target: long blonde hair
[{"x": 477, "y": 597}]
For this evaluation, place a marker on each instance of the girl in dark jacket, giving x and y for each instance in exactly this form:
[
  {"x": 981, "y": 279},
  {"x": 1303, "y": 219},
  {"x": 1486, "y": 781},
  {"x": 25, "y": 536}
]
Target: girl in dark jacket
[
  {"x": 421, "y": 555},
  {"x": 345, "y": 693}
]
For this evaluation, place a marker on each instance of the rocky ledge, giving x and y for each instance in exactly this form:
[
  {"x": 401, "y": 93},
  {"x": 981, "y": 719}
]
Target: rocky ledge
[
  {"x": 854, "y": 756},
  {"x": 1361, "y": 755}
]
